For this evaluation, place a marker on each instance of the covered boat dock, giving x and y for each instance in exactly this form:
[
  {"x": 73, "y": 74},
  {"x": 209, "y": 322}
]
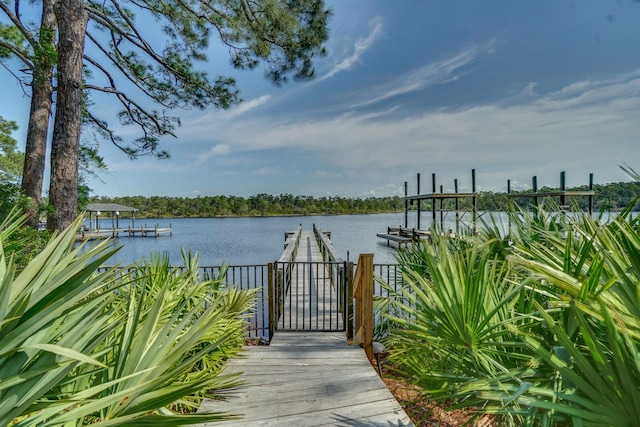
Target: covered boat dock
[{"x": 100, "y": 211}]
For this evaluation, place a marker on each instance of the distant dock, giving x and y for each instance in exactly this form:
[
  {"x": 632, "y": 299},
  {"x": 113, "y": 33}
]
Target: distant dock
[
  {"x": 106, "y": 233},
  {"x": 149, "y": 231},
  {"x": 96, "y": 211}
]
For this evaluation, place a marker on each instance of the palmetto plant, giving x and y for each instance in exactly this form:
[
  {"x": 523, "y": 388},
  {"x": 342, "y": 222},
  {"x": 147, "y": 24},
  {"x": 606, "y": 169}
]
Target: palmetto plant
[
  {"x": 594, "y": 317},
  {"x": 545, "y": 330},
  {"x": 78, "y": 346},
  {"x": 460, "y": 316}
]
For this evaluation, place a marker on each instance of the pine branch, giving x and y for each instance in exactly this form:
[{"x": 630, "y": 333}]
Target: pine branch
[{"x": 15, "y": 19}]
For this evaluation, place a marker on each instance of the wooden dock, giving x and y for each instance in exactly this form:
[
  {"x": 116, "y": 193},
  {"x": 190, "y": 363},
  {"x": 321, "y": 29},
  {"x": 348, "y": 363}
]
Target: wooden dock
[
  {"x": 145, "y": 231},
  {"x": 405, "y": 236},
  {"x": 308, "y": 379},
  {"x": 106, "y": 233},
  {"x": 311, "y": 302},
  {"x": 308, "y": 376}
]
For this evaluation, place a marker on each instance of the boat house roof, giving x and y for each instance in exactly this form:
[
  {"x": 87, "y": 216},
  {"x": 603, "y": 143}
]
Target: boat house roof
[{"x": 108, "y": 207}]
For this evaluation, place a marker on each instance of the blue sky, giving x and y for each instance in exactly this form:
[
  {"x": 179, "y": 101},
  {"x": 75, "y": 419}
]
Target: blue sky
[{"x": 511, "y": 88}]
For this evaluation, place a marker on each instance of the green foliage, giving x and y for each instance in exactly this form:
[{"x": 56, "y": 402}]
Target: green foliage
[
  {"x": 540, "y": 327},
  {"x": 25, "y": 244},
  {"x": 12, "y": 41},
  {"x": 287, "y": 204},
  {"x": 11, "y": 160},
  {"x": 82, "y": 346}
]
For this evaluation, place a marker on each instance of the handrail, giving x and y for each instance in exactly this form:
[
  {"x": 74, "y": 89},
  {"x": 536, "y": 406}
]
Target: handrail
[
  {"x": 363, "y": 294},
  {"x": 291, "y": 245},
  {"x": 277, "y": 278},
  {"x": 329, "y": 252}
]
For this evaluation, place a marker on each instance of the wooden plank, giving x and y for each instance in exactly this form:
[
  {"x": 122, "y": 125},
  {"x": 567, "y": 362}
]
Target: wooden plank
[
  {"x": 395, "y": 238},
  {"x": 308, "y": 379}
]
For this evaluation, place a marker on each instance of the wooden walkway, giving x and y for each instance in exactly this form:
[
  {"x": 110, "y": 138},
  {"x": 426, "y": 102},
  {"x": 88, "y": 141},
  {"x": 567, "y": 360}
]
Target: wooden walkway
[
  {"x": 308, "y": 379},
  {"x": 312, "y": 302}
]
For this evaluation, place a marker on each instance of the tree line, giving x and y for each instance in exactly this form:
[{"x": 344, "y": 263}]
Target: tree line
[{"x": 613, "y": 196}]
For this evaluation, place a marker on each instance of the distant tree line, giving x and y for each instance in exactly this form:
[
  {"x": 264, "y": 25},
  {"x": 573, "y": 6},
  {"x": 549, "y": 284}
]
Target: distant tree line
[
  {"x": 257, "y": 205},
  {"x": 608, "y": 197}
]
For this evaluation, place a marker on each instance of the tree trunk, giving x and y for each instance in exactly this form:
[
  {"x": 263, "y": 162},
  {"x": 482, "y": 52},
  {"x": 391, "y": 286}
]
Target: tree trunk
[
  {"x": 41, "y": 95},
  {"x": 65, "y": 146}
]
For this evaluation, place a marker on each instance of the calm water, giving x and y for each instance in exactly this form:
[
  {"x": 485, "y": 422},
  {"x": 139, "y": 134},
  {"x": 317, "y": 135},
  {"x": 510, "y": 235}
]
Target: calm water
[{"x": 239, "y": 241}]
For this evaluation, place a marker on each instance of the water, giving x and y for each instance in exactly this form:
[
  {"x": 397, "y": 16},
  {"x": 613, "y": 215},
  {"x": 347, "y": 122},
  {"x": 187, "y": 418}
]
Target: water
[
  {"x": 244, "y": 241},
  {"x": 241, "y": 241}
]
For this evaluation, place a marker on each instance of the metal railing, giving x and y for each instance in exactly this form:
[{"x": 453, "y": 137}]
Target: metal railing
[
  {"x": 310, "y": 296},
  {"x": 269, "y": 310}
]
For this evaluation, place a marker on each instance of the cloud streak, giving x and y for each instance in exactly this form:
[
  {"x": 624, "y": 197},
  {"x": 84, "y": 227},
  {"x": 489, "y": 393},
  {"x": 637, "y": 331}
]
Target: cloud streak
[
  {"x": 360, "y": 47},
  {"x": 435, "y": 73}
]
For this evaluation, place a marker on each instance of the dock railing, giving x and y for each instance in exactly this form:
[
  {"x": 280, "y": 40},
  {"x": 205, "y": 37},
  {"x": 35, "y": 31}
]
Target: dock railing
[
  {"x": 277, "y": 278},
  {"x": 262, "y": 320},
  {"x": 329, "y": 252},
  {"x": 338, "y": 275}
]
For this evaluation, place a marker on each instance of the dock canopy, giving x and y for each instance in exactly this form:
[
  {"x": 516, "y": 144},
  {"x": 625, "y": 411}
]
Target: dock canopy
[
  {"x": 114, "y": 209},
  {"x": 108, "y": 207}
]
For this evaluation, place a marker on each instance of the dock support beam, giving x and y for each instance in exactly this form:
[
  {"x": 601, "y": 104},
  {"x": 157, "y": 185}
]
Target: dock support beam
[
  {"x": 418, "y": 189},
  {"x": 534, "y": 186},
  {"x": 591, "y": 195},
  {"x": 406, "y": 205},
  {"x": 474, "y": 201},
  {"x": 433, "y": 202},
  {"x": 563, "y": 188}
]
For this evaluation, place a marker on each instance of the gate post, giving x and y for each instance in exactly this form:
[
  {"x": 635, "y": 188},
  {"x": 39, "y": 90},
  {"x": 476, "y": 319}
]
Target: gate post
[
  {"x": 271, "y": 290},
  {"x": 348, "y": 318}
]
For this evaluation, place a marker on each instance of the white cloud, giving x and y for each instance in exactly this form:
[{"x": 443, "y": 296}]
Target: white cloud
[
  {"x": 265, "y": 171},
  {"x": 359, "y": 48},
  {"x": 585, "y": 126},
  {"x": 220, "y": 149},
  {"x": 245, "y": 107},
  {"x": 217, "y": 150}
]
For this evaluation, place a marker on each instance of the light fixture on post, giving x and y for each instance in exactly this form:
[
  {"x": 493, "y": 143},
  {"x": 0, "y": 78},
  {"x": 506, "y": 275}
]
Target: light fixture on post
[
  {"x": 117, "y": 218},
  {"x": 98, "y": 220}
]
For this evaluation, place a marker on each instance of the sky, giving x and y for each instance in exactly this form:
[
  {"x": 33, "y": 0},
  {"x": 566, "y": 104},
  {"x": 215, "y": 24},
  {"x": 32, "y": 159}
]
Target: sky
[{"x": 510, "y": 88}]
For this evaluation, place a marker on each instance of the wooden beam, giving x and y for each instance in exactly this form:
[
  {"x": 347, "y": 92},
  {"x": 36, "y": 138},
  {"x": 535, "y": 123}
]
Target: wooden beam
[{"x": 364, "y": 304}]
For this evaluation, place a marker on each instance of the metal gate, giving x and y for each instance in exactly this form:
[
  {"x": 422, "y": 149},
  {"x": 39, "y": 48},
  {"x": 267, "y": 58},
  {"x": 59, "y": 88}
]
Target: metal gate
[{"x": 310, "y": 296}]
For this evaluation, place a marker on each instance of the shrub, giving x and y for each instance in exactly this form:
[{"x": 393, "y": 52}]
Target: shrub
[
  {"x": 84, "y": 346},
  {"x": 543, "y": 330}
]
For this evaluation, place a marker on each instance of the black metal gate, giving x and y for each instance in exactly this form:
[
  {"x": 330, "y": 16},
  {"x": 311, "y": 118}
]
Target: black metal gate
[{"x": 310, "y": 296}]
